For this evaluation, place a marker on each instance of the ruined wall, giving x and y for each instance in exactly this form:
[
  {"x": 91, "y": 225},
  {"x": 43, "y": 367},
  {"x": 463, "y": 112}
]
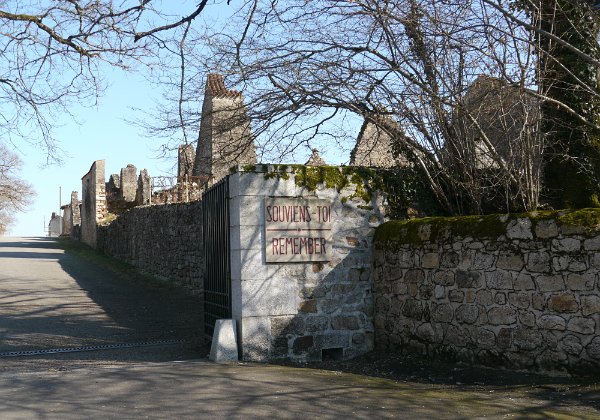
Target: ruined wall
[
  {"x": 522, "y": 292},
  {"x": 93, "y": 200},
  {"x": 163, "y": 240},
  {"x": 303, "y": 310},
  {"x": 225, "y": 138}
]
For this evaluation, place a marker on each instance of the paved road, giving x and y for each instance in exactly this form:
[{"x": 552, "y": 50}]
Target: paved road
[{"x": 51, "y": 299}]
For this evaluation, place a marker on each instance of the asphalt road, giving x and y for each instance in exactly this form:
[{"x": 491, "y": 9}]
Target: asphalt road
[{"x": 52, "y": 299}]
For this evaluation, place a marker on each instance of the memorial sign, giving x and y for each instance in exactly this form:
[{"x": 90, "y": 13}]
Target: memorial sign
[{"x": 298, "y": 229}]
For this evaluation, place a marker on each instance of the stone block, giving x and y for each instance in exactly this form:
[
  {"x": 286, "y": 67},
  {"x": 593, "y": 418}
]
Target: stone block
[
  {"x": 523, "y": 282},
  {"x": 249, "y": 264},
  {"x": 430, "y": 260},
  {"x": 332, "y": 340},
  {"x": 486, "y": 338},
  {"x": 550, "y": 283},
  {"x": 449, "y": 260},
  {"x": 426, "y": 333},
  {"x": 571, "y": 345},
  {"x": 316, "y": 323},
  {"x": 442, "y": 312},
  {"x": 308, "y": 306},
  {"x": 527, "y": 338},
  {"x": 538, "y": 301},
  {"x": 224, "y": 341},
  {"x": 483, "y": 261},
  {"x": 581, "y": 281},
  {"x": 581, "y": 325},
  {"x": 413, "y": 309},
  {"x": 538, "y": 262},
  {"x": 247, "y": 211},
  {"x": 484, "y": 297},
  {"x": 527, "y": 318},
  {"x": 345, "y": 322},
  {"x": 563, "y": 303},
  {"x": 250, "y": 183},
  {"x": 545, "y": 229},
  {"x": 467, "y": 314},
  {"x": 519, "y": 229},
  {"x": 246, "y": 237},
  {"x": 255, "y": 338},
  {"x": 510, "y": 261},
  {"x": 551, "y": 322},
  {"x": 502, "y": 315},
  {"x": 468, "y": 279},
  {"x": 504, "y": 338},
  {"x": 456, "y": 296},
  {"x": 566, "y": 245},
  {"x": 592, "y": 244},
  {"x": 500, "y": 298},
  {"x": 444, "y": 278},
  {"x": 593, "y": 349},
  {"x": 414, "y": 276},
  {"x": 521, "y": 300},
  {"x": 590, "y": 304},
  {"x": 498, "y": 280},
  {"x": 269, "y": 296},
  {"x": 456, "y": 336},
  {"x": 439, "y": 292}
]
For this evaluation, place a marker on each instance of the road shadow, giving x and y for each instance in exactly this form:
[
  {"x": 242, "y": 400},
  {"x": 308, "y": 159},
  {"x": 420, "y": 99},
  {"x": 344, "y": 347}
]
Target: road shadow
[{"x": 96, "y": 301}]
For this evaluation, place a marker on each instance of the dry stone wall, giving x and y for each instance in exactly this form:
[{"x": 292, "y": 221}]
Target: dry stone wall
[
  {"x": 521, "y": 292},
  {"x": 163, "y": 240}
]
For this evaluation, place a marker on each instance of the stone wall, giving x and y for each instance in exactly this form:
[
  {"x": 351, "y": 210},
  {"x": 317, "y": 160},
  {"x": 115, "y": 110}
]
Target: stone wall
[
  {"x": 303, "y": 310},
  {"x": 522, "y": 292},
  {"x": 93, "y": 202},
  {"x": 163, "y": 240}
]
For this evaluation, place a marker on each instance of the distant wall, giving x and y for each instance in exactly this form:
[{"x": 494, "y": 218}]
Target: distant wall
[
  {"x": 163, "y": 240},
  {"x": 522, "y": 292}
]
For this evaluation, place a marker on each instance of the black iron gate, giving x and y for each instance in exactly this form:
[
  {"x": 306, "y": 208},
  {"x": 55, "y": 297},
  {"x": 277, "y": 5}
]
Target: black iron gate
[{"x": 217, "y": 276}]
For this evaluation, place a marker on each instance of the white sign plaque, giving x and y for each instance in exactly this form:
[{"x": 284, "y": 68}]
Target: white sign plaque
[{"x": 297, "y": 230}]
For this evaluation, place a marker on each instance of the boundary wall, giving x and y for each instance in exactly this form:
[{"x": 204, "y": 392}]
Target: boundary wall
[
  {"x": 163, "y": 240},
  {"x": 520, "y": 291}
]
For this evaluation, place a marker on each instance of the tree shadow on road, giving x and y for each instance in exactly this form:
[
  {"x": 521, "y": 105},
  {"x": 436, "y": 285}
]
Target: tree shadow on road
[{"x": 96, "y": 301}]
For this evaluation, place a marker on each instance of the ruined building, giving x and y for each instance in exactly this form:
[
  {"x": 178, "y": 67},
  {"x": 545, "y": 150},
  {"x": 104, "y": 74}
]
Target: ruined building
[
  {"x": 225, "y": 139},
  {"x": 54, "y": 226},
  {"x": 101, "y": 200},
  {"x": 506, "y": 115},
  {"x": 375, "y": 147},
  {"x": 71, "y": 219}
]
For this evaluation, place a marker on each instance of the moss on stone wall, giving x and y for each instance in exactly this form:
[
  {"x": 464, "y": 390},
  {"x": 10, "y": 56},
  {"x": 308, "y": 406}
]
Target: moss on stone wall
[
  {"x": 487, "y": 226},
  {"x": 402, "y": 187}
]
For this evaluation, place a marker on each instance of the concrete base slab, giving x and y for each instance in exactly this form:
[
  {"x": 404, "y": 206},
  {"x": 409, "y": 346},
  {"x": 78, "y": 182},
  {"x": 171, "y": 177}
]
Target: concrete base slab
[{"x": 224, "y": 342}]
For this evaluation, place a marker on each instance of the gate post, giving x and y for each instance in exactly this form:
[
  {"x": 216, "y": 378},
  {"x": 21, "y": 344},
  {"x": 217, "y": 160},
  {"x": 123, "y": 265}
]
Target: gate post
[{"x": 301, "y": 283}]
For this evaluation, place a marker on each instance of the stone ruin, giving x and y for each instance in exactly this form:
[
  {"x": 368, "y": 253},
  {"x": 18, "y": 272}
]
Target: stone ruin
[
  {"x": 101, "y": 201},
  {"x": 184, "y": 187},
  {"x": 71, "y": 219},
  {"x": 225, "y": 138}
]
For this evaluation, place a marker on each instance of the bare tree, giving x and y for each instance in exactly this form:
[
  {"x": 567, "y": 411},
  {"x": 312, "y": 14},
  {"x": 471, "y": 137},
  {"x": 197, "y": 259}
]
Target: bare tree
[
  {"x": 15, "y": 193},
  {"x": 52, "y": 54},
  {"x": 311, "y": 69}
]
